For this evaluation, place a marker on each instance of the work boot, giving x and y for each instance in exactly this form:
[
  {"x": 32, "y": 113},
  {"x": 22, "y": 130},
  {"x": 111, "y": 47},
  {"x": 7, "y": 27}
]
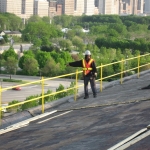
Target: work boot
[
  {"x": 146, "y": 87},
  {"x": 94, "y": 96},
  {"x": 86, "y": 97}
]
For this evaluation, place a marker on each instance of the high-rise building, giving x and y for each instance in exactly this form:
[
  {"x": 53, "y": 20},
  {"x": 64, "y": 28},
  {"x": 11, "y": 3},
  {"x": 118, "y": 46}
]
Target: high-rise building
[
  {"x": 21, "y": 8},
  {"x": 59, "y": 9},
  {"x": 67, "y": 6},
  {"x": 140, "y": 6},
  {"x": 41, "y": 8},
  {"x": 78, "y": 7},
  {"x": 101, "y": 6},
  {"x": 147, "y": 7},
  {"x": 134, "y": 7},
  {"x": 89, "y": 7},
  {"x": 109, "y": 6},
  {"x": 52, "y": 8},
  {"x": 11, "y": 6}
]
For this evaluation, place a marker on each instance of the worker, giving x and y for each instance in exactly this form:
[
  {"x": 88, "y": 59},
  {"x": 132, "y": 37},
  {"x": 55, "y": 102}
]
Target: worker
[{"x": 89, "y": 72}]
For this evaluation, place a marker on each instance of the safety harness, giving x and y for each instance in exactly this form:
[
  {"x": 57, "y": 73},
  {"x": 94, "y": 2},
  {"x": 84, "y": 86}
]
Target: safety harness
[{"x": 86, "y": 66}]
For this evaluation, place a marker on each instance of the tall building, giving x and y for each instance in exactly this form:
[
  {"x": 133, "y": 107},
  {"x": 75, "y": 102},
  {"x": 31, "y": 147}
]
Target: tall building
[
  {"x": 59, "y": 9},
  {"x": 101, "y": 6},
  {"x": 147, "y": 7},
  {"x": 78, "y": 7},
  {"x": 89, "y": 7},
  {"x": 140, "y": 6},
  {"x": 116, "y": 6},
  {"x": 109, "y": 6},
  {"x": 67, "y": 6},
  {"x": 21, "y": 8},
  {"x": 11, "y": 6},
  {"x": 52, "y": 8},
  {"x": 41, "y": 8},
  {"x": 134, "y": 7}
]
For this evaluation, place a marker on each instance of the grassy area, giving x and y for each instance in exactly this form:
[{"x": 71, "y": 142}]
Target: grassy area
[{"x": 19, "y": 81}]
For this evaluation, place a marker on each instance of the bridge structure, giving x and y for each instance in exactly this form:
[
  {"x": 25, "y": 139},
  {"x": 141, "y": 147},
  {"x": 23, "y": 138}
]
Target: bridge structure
[{"x": 117, "y": 119}]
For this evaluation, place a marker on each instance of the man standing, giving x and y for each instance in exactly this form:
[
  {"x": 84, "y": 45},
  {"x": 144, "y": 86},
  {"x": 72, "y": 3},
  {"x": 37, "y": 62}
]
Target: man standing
[{"x": 89, "y": 72}]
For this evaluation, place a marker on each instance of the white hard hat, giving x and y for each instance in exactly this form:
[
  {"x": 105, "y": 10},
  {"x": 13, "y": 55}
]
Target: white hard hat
[{"x": 87, "y": 52}]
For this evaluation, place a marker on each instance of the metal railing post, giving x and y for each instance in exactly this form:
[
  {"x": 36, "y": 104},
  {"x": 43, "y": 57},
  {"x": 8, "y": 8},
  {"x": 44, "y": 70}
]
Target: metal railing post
[
  {"x": 42, "y": 95},
  {"x": 121, "y": 71},
  {"x": 76, "y": 86},
  {"x": 138, "y": 66},
  {"x": 101, "y": 76}
]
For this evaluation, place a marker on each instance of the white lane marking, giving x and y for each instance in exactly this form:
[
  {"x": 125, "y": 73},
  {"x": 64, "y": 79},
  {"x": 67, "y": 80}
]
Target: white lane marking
[
  {"x": 130, "y": 138},
  {"x": 55, "y": 116},
  {"x": 130, "y": 143},
  {"x": 24, "y": 123}
]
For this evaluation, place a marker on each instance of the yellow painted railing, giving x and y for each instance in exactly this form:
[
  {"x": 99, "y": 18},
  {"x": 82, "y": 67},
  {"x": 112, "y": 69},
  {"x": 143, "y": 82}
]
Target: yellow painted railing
[{"x": 101, "y": 78}]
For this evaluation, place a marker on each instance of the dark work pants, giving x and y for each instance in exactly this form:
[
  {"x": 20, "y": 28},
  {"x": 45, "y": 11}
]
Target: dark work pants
[{"x": 92, "y": 83}]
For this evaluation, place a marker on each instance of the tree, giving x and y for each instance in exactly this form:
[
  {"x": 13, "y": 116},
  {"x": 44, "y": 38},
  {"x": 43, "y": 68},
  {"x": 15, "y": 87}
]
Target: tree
[
  {"x": 38, "y": 32},
  {"x": 11, "y": 65},
  {"x": 5, "y": 38},
  {"x": 14, "y": 22},
  {"x": 42, "y": 58},
  {"x": 78, "y": 42},
  {"x": 51, "y": 68},
  {"x": 22, "y": 60},
  {"x": 2, "y": 41},
  {"x": 30, "y": 66},
  {"x": 34, "y": 18},
  {"x": 46, "y": 19},
  {"x": 29, "y": 52},
  {"x": 65, "y": 44},
  {"x": 2, "y": 62},
  {"x": 9, "y": 53},
  {"x": 70, "y": 34}
]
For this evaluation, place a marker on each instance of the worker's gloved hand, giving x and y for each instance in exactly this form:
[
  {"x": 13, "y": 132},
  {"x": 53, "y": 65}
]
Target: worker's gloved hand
[{"x": 95, "y": 74}]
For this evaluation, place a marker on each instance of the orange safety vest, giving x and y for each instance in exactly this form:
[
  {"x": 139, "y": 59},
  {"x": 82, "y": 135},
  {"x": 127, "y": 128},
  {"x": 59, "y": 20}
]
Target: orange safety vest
[{"x": 87, "y": 66}]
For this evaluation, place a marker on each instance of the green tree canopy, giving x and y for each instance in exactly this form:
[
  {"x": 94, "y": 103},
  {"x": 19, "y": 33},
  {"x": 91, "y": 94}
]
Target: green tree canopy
[
  {"x": 42, "y": 58},
  {"x": 11, "y": 65},
  {"x": 9, "y": 53},
  {"x": 34, "y": 18},
  {"x": 30, "y": 66},
  {"x": 51, "y": 68},
  {"x": 22, "y": 60},
  {"x": 40, "y": 32}
]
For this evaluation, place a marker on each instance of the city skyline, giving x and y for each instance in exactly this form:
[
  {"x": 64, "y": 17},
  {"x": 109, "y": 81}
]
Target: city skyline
[{"x": 50, "y": 8}]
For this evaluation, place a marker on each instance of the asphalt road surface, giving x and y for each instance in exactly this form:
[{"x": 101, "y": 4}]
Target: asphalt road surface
[
  {"x": 26, "y": 91},
  {"x": 16, "y": 47},
  {"x": 92, "y": 124},
  {"x": 34, "y": 89},
  {"x": 83, "y": 129}
]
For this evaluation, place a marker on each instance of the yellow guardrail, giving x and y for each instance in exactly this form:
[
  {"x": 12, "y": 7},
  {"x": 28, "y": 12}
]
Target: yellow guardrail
[{"x": 101, "y": 78}]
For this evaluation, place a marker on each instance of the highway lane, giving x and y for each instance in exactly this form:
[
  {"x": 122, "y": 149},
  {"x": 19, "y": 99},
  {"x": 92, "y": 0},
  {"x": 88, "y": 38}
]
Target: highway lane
[
  {"x": 26, "y": 91},
  {"x": 16, "y": 47},
  {"x": 34, "y": 89}
]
